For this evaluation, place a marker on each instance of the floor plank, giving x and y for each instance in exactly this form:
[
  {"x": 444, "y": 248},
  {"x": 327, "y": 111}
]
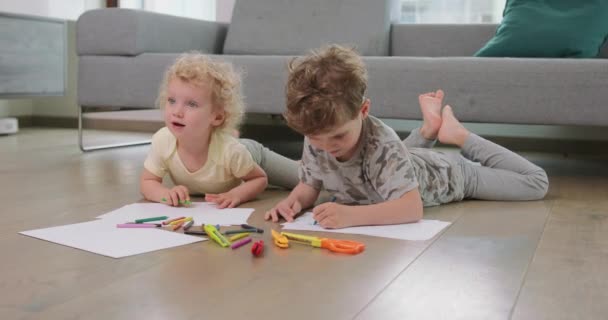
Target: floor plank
[
  {"x": 568, "y": 277},
  {"x": 473, "y": 271}
]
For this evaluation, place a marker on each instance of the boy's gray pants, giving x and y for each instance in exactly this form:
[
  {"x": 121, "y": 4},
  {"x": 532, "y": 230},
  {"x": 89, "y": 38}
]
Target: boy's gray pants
[{"x": 503, "y": 175}]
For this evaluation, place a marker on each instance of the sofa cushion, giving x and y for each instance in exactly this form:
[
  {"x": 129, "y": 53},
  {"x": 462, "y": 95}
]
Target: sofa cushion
[
  {"x": 550, "y": 28},
  {"x": 288, "y": 27},
  {"x": 515, "y": 90}
]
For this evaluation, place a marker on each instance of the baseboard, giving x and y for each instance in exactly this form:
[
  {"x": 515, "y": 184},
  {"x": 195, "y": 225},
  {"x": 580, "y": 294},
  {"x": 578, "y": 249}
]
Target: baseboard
[{"x": 46, "y": 121}]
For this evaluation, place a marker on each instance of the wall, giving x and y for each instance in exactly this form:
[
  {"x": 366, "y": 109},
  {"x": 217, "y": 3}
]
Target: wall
[
  {"x": 224, "y": 10},
  {"x": 15, "y": 107}
]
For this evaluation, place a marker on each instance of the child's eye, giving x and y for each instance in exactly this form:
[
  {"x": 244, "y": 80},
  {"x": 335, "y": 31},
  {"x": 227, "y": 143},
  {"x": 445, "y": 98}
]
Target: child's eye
[
  {"x": 192, "y": 104},
  {"x": 171, "y": 100}
]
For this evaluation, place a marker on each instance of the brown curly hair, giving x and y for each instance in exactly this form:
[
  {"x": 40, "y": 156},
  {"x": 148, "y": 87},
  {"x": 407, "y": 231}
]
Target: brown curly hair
[
  {"x": 324, "y": 89},
  {"x": 224, "y": 82}
]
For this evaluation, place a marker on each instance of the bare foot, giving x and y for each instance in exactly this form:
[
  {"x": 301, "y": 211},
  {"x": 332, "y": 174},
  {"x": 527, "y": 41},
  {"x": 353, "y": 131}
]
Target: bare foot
[
  {"x": 430, "y": 105},
  {"x": 452, "y": 131}
]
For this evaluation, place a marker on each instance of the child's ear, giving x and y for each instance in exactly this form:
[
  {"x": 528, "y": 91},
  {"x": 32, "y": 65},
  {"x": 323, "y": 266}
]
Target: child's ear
[
  {"x": 218, "y": 117},
  {"x": 365, "y": 108}
]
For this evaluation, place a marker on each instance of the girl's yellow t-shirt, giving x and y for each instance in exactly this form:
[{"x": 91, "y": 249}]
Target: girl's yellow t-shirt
[{"x": 228, "y": 161}]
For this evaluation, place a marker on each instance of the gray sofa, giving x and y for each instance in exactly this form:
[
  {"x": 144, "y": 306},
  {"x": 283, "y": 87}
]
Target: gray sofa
[{"x": 123, "y": 54}]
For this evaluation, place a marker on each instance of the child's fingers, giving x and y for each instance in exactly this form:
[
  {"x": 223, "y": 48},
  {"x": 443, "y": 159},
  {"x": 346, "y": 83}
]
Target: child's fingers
[
  {"x": 320, "y": 216},
  {"x": 174, "y": 198},
  {"x": 233, "y": 203},
  {"x": 182, "y": 195},
  {"x": 224, "y": 203},
  {"x": 286, "y": 212},
  {"x": 167, "y": 200},
  {"x": 320, "y": 208},
  {"x": 274, "y": 215},
  {"x": 323, "y": 221},
  {"x": 216, "y": 199},
  {"x": 183, "y": 190},
  {"x": 269, "y": 215},
  {"x": 219, "y": 201},
  {"x": 318, "y": 212},
  {"x": 296, "y": 207},
  {"x": 329, "y": 223}
]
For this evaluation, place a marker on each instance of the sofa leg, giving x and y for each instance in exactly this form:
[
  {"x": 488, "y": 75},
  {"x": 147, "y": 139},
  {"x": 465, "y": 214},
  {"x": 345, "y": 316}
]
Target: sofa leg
[{"x": 84, "y": 148}]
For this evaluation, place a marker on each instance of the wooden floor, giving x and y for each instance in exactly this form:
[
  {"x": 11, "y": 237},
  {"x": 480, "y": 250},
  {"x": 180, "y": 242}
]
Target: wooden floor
[{"x": 525, "y": 260}]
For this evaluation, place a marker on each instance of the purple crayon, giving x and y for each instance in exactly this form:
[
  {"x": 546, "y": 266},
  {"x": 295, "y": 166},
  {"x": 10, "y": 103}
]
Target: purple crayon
[{"x": 240, "y": 243}]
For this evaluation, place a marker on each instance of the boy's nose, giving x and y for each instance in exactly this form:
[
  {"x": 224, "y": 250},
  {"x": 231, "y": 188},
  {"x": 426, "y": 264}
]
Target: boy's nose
[{"x": 328, "y": 146}]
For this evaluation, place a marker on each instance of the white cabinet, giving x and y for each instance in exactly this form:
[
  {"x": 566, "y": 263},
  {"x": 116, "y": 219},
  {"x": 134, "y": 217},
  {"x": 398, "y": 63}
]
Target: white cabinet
[{"x": 33, "y": 56}]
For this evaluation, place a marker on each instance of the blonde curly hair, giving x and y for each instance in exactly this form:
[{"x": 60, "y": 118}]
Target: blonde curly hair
[{"x": 224, "y": 82}]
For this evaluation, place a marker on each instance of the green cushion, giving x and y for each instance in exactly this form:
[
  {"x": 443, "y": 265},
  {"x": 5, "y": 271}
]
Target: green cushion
[{"x": 550, "y": 28}]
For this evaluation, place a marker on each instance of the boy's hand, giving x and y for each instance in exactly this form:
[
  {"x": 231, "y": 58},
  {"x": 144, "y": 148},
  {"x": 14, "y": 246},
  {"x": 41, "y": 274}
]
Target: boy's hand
[
  {"x": 224, "y": 200},
  {"x": 176, "y": 196},
  {"x": 287, "y": 208},
  {"x": 332, "y": 215}
]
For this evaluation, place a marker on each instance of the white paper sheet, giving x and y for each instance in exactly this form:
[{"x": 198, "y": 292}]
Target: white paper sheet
[
  {"x": 201, "y": 212},
  {"x": 422, "y": 230},
  {"x": 102, "y": 237}
]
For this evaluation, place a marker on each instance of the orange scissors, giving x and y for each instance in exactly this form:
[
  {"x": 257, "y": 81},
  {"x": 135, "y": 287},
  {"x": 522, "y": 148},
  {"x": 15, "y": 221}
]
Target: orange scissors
[
  {"x": 280, "y": 240},
  {"x": 334, "y": 245}
]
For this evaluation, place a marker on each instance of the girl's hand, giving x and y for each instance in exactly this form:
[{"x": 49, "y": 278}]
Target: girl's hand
[
  {"x": 332, "y": 215},
  {"x": 224, "y": 200},
  {"x": 176, "y": 196},
  {"x": 287, "y": 208}
]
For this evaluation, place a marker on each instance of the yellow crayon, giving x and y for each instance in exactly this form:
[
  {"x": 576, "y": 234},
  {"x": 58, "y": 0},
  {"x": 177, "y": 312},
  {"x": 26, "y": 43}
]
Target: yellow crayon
[
  {"x": 239, "y": 236},
  {"x": 184, "y": 220}
]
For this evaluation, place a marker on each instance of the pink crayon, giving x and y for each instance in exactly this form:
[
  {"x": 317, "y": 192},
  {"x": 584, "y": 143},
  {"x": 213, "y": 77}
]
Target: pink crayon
[{"x": 137, "y": 225}]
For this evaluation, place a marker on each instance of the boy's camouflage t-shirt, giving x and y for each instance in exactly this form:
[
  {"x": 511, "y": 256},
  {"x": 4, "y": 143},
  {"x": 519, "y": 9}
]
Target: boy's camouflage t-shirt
[{"x": 382, "y": 169}]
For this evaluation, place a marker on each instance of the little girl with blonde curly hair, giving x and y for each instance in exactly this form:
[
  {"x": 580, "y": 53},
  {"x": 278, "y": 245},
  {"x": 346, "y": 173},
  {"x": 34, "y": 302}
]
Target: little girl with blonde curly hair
[{"x": 203, "y": 106}]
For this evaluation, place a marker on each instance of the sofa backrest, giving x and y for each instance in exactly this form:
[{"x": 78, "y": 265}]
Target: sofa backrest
[
  {"x": 439, "y": 40},
  {"x": 445, "y": 40},
  {"x": 127, "y": 32},
  {"x": 294, "y": 27}
]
